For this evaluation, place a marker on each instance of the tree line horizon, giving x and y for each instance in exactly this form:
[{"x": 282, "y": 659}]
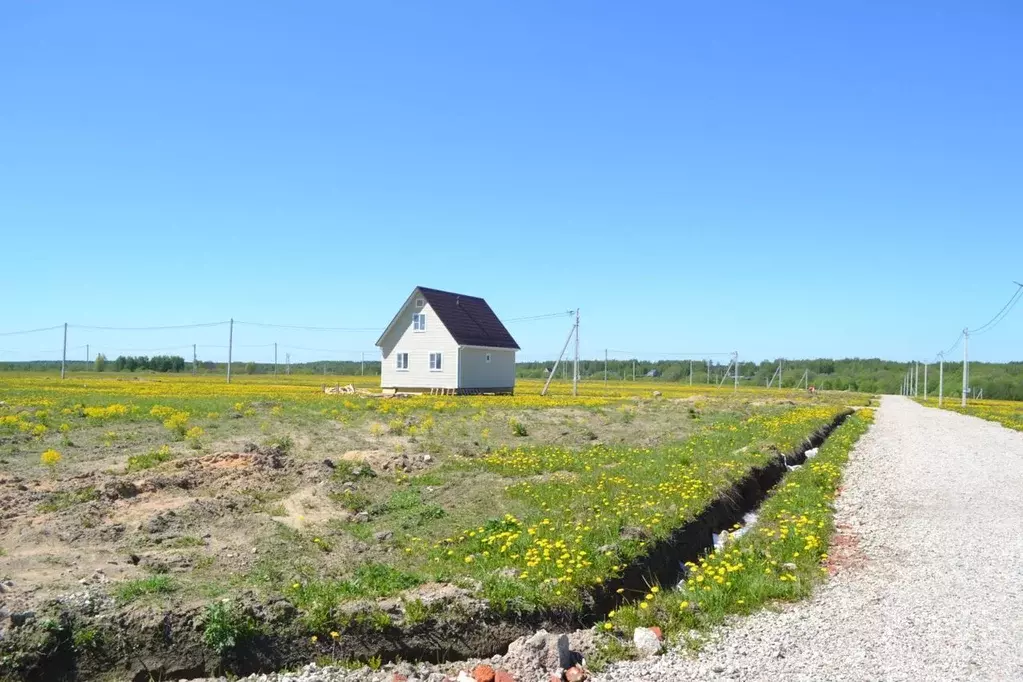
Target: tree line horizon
[{"x": 1003, "y": 380}]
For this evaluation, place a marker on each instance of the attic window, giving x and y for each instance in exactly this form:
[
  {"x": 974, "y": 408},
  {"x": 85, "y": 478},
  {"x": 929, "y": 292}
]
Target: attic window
[
  {"x": 419, "y": 322},
  {"x": 420, "y": 303}
]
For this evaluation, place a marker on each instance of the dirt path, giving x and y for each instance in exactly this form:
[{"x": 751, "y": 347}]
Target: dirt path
[{"x": 929, "y": 574}]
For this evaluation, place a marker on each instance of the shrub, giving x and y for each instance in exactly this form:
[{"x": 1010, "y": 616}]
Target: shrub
[
  {"x": 518, "y": 428},
  {"x": 148, "y": 460},
  {"x": 282, "y": 444},
  {"x": 51, "y": 458},
  {"x": 193, "y": 435},
  {"x": 225, "y": 627}
]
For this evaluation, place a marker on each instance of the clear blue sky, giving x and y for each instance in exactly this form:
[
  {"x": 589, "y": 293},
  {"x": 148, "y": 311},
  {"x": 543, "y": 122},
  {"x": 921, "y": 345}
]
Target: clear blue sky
[{"x": 786, "y": 179}]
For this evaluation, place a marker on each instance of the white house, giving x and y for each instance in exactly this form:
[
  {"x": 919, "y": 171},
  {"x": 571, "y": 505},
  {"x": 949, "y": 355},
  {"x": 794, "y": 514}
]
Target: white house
[{"x": 446, "y": 342}]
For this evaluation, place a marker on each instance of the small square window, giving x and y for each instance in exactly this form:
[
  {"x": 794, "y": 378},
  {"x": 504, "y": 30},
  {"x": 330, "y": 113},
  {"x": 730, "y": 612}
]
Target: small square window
[
  {"x": 420, "y": 303},
  {"x": 435, "y": 361},
  {"x": 419, "y": 322},
  {"x": 488, "y": 357},
  {"x": 401, "y": 361}
]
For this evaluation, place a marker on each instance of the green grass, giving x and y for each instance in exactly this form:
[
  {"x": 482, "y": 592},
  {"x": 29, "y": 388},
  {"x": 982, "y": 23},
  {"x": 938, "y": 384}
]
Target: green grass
[
  {"x": 130, "y": 590},
  {"x": 780, "y": 559},
  {"x": 63, "y": 500},
  {"x": 184, "y": 541},
  {"x": 148, "y": 460},
  {"x": 406, "y": 509},
  {"x": 319, "y": 598},
  {"x": 582, "y": 516},
  {"x": 283, "y": 444}
]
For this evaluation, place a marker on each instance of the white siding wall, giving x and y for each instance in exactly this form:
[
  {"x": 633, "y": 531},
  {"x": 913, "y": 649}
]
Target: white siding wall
[
  {"x": 476, "y": 372},
  {"x": 418, "y": 345}
]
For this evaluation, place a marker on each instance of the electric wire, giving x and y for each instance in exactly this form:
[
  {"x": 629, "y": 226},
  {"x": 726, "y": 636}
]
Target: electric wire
[
  {"x": 308, "y": 329},
  {"x": 545, "y": 316},
  {"x": 1000, "y": 315},
  {"x": 31, "y": 331},
  {"x": 146, "y": 329}
]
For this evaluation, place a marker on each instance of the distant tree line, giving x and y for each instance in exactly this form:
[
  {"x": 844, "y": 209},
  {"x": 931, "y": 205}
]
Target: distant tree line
[
  {"x": 157, "y": 363},
  {"x": 870, "y": 375}
]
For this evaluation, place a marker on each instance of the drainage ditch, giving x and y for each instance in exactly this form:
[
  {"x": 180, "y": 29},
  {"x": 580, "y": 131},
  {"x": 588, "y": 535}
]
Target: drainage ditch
[{"x": 173, "y": 648}]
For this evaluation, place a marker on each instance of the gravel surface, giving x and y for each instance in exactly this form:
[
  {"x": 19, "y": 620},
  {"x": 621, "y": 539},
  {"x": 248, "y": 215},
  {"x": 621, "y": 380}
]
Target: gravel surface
[{"x": 929, "y": 568}]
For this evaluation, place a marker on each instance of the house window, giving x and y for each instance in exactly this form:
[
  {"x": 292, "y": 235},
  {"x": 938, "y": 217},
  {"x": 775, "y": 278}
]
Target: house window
[
  {"x": 488, "y": 357},
  {"x": 420, "y": 303},
  {"x": 419, "y": 322},
  {"x": 435, "y": 362},
  {"x": 401, "y": 361}
]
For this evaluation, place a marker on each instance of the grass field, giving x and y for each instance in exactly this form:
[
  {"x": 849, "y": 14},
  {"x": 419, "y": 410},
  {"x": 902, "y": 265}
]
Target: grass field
[
  {"x": 174, "y": 492},
  {"x": 1008, "y": 413}
]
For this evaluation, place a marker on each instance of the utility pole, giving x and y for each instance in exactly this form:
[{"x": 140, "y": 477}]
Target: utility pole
[
  {"x": 193, "y": 359},
  {"x": 575, "y": 373},
  {"x": 736, "y": 371},
  {"x": 554, "y": 369},
  {"x": 779, "y": 372},
  {"x": 941, "y": 377},
  {"x": 925, "y": 382},
  {"x": 230, "y": 345},
  {"x": 916, "y": 379},
  {"x": 966, "y": 365},
  {"x": 633, "y": 370},
  {"x": 63, "y": 357},
  {"x": 275, "y": 358},
  {"x": 708, "y": 371}
]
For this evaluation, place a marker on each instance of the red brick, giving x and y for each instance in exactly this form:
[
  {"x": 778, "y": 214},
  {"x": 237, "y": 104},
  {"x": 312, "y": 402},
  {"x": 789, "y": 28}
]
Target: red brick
[
  {"x": 575, "y": 674},
  {"x": 483, "y": 673},
  {"x": 502, "y": 676}
]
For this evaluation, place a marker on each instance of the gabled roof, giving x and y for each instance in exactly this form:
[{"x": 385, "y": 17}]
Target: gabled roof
[{"x": 469, "y": 319}]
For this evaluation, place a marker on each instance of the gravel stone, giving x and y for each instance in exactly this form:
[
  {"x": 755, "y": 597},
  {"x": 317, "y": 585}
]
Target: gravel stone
[{"x": 927, "y": 569}]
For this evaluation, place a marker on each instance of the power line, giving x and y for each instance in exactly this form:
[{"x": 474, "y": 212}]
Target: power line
[
  {"x": 1001, "y": 314},
  {"x": 309, "y": 329},
  {"x": 144, "y": 350},
  {"x": 681, "y": 355},
  {"x": 144, "y": 329},
  {"x": 545, "y": 316},
  {"x": 325, "y": 350},
  {"x": 953, "y": 346},
  {"x": 32, "y": 331}
]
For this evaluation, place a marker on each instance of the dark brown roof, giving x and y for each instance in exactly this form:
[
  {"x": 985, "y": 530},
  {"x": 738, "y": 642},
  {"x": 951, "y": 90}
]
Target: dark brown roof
[{"x": 469, "y": 319}]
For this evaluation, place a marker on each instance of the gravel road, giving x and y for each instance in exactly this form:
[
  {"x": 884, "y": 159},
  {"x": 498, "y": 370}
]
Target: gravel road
[{"x": 929, "y": 582}]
